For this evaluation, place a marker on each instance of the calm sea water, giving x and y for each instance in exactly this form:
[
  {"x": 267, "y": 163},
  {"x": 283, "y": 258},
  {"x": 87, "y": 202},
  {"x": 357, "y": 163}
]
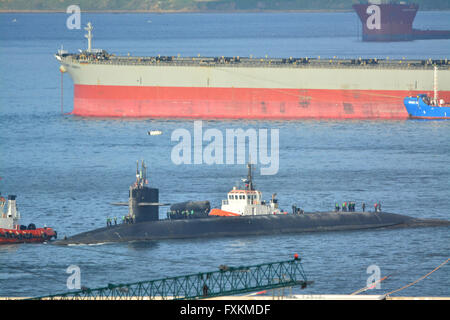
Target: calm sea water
[{"x": 66, "y": 170}]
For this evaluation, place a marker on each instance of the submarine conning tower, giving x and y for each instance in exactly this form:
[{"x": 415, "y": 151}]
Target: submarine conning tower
[{"x": 143, "y": 201}]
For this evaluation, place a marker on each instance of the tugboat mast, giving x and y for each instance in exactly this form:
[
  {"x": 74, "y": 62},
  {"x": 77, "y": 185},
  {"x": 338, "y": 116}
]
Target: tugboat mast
[
  {"x": 249, "y": 182},
  {"x": 2, "y": 205},
  {"x": 435, "y": 100}
]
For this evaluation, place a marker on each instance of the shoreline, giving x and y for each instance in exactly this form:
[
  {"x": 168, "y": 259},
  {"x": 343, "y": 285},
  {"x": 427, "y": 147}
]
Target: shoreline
[
  {"x": 175, "y": 11},
  {"x": 194, "y": 11}
]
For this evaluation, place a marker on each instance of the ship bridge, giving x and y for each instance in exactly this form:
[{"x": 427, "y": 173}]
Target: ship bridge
[{"x": 240, "y": 198}]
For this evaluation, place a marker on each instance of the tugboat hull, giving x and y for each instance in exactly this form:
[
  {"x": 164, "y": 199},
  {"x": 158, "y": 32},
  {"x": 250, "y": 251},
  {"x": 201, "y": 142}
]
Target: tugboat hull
[
  {"x": 417, "y": 108},
  {"x": 8, "y": 236}
]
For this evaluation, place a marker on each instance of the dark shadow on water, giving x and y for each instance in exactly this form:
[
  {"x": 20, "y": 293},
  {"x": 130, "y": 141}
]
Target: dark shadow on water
[
  {"x": 8, "y": 248},
  {"x": 143, "y": 245}
]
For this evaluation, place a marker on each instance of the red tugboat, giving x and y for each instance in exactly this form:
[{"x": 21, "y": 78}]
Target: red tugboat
[{"x": 12, "y": 232}]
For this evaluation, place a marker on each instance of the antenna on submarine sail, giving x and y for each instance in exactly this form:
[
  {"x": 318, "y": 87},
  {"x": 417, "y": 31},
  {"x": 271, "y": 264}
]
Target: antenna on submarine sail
[{"x": 143, "y": 202}]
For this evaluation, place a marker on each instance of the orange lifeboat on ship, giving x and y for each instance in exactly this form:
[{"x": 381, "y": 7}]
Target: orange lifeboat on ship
[{"x": 222, "y": 213}]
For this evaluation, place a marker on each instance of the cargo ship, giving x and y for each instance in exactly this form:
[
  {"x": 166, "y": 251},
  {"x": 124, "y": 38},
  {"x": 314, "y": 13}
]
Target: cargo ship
[
  {"x": 106, "y": 85},
  {"x": 387, "y": 21},
  {"x": 12, "y": 232}
]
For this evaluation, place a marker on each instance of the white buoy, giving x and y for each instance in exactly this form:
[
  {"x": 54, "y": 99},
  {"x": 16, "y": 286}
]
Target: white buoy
[{"x": 154, "y": 132}]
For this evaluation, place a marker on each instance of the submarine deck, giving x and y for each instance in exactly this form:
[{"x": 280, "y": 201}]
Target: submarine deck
[{"x": 248, "y": 225}]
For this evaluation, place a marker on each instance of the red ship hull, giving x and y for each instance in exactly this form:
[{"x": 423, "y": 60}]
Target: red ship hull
[
  {"x": 9, "y": 236},
  {"x": 239, "y": 103}
]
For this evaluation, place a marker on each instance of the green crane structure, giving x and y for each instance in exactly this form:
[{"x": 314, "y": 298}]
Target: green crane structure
[{"x": 225, "y": 281}]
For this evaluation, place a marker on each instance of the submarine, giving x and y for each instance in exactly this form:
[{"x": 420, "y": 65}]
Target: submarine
[{"x": 243, "y": 213}]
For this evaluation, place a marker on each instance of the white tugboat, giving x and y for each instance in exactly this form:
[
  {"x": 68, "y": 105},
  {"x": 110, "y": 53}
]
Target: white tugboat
[{"x": 246, "y": 201}]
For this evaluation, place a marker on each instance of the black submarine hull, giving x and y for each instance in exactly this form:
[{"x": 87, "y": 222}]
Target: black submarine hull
[{"x": 248, "y": 225}]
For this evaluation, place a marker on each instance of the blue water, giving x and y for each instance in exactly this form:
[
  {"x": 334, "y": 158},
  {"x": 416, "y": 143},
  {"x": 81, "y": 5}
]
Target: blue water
[{"x": 66, "y": 170}]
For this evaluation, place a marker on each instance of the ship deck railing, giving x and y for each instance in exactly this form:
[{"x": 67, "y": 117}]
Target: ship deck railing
[{"x": 263, "y": 62}]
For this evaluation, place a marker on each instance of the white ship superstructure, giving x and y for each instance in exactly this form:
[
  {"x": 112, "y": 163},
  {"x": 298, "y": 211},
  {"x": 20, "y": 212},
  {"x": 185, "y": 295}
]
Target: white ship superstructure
[{"x": 246, "y": 201}]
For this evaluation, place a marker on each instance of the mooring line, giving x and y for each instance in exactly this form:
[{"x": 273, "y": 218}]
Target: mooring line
[
  {"x": 420, "y": 279},
  {"x": 370, "y": 286}
]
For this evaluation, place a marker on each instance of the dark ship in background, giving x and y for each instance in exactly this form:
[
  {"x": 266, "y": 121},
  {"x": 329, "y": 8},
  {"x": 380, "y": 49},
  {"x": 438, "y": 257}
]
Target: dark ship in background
[
  {"x": 243, "y": 213},
  {"x": 393, "y": 21}
]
